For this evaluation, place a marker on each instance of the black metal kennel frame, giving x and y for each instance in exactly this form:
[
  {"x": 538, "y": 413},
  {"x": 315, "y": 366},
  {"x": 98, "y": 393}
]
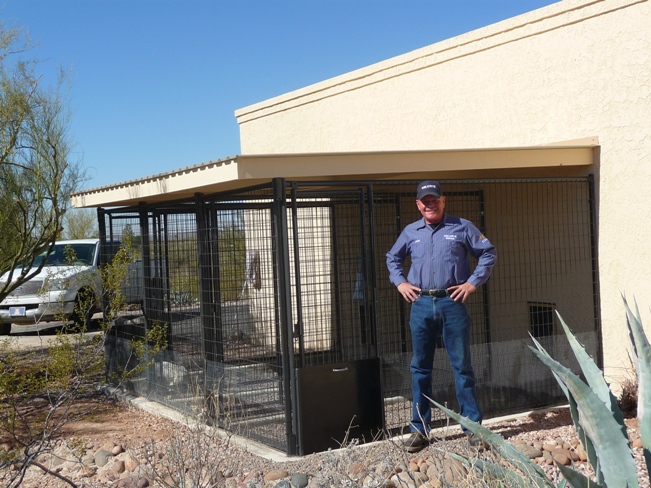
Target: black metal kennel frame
[{"x": 282, "y": 324}]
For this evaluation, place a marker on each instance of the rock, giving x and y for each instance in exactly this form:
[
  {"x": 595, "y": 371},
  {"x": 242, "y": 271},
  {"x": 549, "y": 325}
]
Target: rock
[
  {"x": 434, "y": 483},
  {"x": 435, "y": 470},
  {"x": 528, "y": 450},
  {"x": 88, "y": 460},
  {"x": 217, "y": 479},
  {"x": 298, "y": 480},
  {"x": 117, "y": 449},
  {"x": 357, "y": 471},
  {"x": 142, "y": 470},
  {"x": 88, "y": 471},
  {"x": 253, "y": 476},
  {"x": 117, "y": 467},
  {"x": 561, "y": 457},
  {"x": 276, "y": 474},
  {"x": 132, "y": 482},
  {"x": 413, "y": 480},
  {"x": 287, "y": 484},
  {"x": 53, "y": 461},
  {"x": 102, "y": 457},
  {"x": 108, "y": 446},
  {"x": 106, "y": 477},
  {"x": 142, "y": 482},
  {"x": 454, "y": 471},
  {"x": 131, "y": 463},
  {"x": 637, "y": 442},
  {"x": 315, "y": 482},
  {"x": 583, "y": 456},
  {"x": 402, "y": 479}
]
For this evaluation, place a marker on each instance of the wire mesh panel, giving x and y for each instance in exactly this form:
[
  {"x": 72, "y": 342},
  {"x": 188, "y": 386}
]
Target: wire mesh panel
[
  {"x": 161, "y": 290},
  {"x": 542, "y": 230},
  {"x": 256, "y": 284},
  {"x": 543, "y": 234},
  {"x": 211, "y": 283},
  {"x": 240, "y": 312}
]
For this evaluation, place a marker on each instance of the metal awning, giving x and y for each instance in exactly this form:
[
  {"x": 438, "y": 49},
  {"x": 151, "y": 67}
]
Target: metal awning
[{"x": 246, "y": 170}]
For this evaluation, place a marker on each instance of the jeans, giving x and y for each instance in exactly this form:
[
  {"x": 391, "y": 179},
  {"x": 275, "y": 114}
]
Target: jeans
[{"x": 430, "y": 317}]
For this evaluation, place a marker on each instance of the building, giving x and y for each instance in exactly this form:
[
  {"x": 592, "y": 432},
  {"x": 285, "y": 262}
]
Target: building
[{"x": 539, "y": 123}]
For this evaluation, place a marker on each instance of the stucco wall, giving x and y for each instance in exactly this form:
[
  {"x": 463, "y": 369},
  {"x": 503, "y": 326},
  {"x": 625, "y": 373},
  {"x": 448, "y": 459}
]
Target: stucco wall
[{"x": 571, "y": 70}]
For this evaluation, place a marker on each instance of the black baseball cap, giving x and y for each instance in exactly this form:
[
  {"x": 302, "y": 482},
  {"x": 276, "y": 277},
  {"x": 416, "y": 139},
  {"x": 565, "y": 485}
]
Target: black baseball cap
[{"x": 428, "y": 187}]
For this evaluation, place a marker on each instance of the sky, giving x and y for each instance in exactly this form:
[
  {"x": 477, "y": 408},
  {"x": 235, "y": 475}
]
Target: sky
[{"x": 154, "y": 84}]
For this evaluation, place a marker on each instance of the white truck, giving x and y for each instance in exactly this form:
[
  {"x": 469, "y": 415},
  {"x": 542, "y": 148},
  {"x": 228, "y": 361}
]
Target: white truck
[{"x": 51, "y": 295}]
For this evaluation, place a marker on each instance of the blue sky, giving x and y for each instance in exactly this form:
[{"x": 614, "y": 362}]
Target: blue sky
[{"x": 155, "y": 83}]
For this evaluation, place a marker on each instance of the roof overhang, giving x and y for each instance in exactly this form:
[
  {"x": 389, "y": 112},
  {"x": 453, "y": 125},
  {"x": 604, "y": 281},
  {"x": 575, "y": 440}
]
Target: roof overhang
[{"x": 242, "y": 171}]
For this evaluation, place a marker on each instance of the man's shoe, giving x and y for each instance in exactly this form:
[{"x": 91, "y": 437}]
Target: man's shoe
[
  {"x": 415, "y": 442},
  {"x": 476, "y": 442}
]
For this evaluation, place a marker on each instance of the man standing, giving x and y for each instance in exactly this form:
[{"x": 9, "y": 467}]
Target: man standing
[{"x": 437, "y": 286}]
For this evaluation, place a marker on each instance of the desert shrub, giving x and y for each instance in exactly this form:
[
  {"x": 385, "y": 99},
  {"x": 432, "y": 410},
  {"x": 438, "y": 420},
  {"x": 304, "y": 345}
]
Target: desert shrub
[{"x": 42, "y": 391}]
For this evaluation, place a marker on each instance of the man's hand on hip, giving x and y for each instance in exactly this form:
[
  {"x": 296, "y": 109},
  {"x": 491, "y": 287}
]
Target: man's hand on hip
[
  {"x": 461, "y": 292},
  {"x": 408, "y": 291}
]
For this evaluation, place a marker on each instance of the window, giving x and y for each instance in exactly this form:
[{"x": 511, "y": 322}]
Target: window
[{"x": 541, "y": 319}]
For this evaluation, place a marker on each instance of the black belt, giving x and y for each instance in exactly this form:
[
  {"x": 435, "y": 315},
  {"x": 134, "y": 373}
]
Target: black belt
[{"x": 435, "y": 293}]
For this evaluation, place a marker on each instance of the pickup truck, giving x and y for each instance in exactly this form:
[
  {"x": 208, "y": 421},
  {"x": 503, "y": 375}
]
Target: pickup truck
[{"x": 51, "y": 294}]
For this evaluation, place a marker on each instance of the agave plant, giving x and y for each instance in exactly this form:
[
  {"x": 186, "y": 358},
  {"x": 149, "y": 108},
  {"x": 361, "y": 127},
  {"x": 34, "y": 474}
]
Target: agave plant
[
  {"x": 642, "y": 358},
  {"x": 597, "y": 418}
]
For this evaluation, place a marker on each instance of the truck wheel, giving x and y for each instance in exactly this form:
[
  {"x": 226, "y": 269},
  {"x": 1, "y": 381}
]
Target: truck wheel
[{"x": 5, "y": 329}]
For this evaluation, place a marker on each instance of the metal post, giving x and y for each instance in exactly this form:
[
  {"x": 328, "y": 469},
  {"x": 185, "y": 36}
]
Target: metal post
[
  {"x": 595, "y": 269},
  {"x": 297, "y": 280},
  {"x": 146, "y": 263},
  {"x": 372, "y": 277},
  {"x": 213, "y": 344},
  {"x": 283, "y": 295}
]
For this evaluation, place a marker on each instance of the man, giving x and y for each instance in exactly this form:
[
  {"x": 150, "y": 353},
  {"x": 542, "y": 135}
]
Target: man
[{"x": 437, "y": 286}]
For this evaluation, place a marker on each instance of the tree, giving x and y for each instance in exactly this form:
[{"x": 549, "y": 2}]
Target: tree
[
  {"x": 80, "y": 223},
  {"x": 37, "y": 174}
]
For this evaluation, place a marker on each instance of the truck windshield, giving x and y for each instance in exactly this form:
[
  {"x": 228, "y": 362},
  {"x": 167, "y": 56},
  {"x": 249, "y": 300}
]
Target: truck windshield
[{"x": 78, "y": 255}]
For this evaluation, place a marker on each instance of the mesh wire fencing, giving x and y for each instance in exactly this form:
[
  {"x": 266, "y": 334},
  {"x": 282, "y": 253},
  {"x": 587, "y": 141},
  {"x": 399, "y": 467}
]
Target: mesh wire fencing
[{"x": 257, "y": 284}]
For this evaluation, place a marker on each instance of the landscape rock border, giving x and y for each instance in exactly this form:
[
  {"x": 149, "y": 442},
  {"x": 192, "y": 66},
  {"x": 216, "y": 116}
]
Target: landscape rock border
[{"x": 241, "y": 463}]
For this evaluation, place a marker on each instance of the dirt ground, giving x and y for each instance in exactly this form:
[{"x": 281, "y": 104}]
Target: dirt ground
[
  {"x": 112, "y": 423},
  {"x": 116, "y": 423}
]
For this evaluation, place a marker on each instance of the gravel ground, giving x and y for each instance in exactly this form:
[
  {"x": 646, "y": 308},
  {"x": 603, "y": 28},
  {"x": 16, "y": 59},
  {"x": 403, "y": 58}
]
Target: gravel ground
[
  {"x": 155, "y": 449},
  {"x": 122, "y": 445}
]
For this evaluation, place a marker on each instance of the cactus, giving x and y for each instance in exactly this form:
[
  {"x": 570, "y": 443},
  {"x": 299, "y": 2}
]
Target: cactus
[{"x": 597, "y": 418}]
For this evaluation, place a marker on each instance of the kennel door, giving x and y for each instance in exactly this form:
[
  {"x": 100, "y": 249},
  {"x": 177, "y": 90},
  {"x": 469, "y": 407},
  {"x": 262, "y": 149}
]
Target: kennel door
[{"x": 339, "y": 402}]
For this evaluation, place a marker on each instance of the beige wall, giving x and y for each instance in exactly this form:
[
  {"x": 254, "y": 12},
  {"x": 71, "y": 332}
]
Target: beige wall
[{"x": 571, "y": 70}]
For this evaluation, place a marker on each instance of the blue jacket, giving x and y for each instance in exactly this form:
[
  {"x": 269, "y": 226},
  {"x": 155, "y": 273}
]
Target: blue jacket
[{"x": 439, "y": 255}]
